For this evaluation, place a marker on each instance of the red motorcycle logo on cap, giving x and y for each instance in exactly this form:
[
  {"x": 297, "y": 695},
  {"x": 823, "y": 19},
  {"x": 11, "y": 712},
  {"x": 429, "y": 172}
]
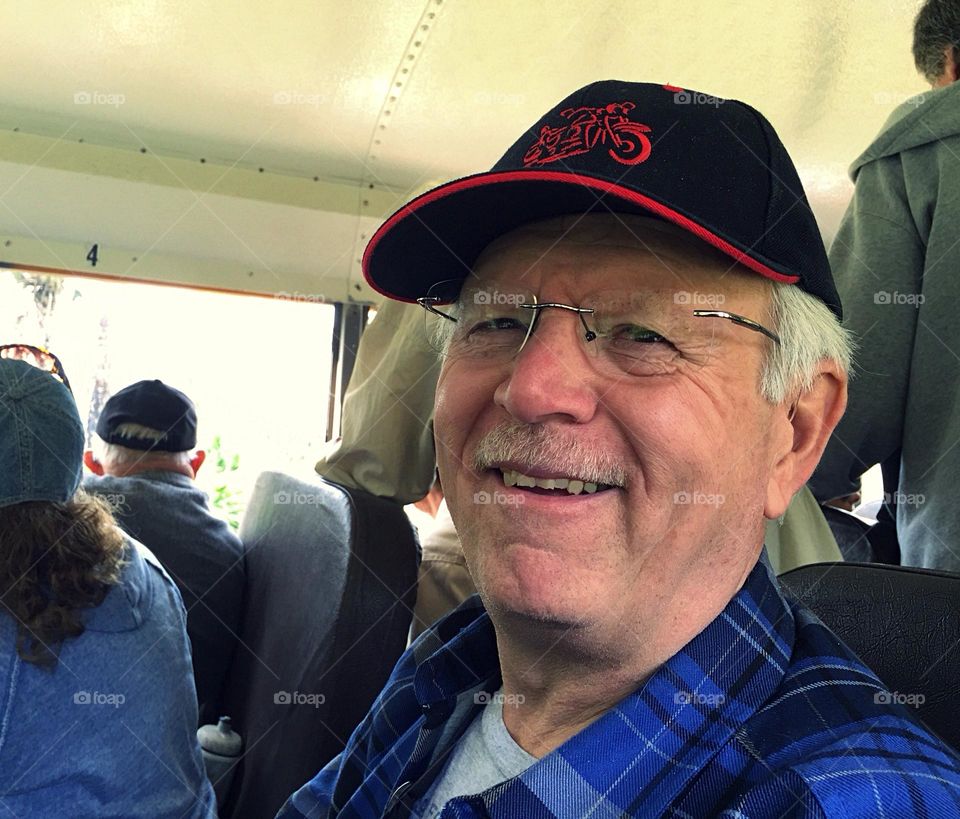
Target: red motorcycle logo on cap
[{"x": 588, "y": 127}]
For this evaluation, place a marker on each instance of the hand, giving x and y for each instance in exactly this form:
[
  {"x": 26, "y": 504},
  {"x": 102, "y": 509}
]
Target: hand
[{"x": 845, "y": 502}]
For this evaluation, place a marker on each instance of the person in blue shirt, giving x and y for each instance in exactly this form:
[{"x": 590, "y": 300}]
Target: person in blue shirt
[
  {"x": 98, "y": 711},
  {"x": 642, "y": 362}
]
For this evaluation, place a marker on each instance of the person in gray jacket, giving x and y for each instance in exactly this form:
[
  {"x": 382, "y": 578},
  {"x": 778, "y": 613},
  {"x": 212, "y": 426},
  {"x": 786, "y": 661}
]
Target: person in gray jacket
[
  {"x": 145, "y": 458},
  {"x": 895, "y": 261}
]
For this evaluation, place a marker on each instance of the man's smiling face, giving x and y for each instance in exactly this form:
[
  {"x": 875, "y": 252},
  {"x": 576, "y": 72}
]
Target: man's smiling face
[{"x": 667, "y": 421}]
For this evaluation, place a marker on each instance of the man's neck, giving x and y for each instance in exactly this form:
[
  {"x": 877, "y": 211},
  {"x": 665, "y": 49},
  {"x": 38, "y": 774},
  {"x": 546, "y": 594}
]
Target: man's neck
[
  {"x": 558, "y": 687},
  {"x": 131, "y": 470},
  {"x": 559, "y": 682}
]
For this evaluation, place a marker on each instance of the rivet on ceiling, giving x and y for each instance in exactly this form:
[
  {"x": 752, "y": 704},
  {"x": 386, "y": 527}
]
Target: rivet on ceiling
[{"x": 415, "y": 47}]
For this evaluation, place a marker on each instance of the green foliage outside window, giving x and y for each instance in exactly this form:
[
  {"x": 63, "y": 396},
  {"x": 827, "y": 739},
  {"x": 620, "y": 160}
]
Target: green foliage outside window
[{"x": 227, "y": 500}]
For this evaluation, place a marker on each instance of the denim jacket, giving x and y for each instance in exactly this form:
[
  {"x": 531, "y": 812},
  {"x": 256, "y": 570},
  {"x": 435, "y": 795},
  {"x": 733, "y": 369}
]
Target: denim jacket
[{"x": 110, "y": 731}]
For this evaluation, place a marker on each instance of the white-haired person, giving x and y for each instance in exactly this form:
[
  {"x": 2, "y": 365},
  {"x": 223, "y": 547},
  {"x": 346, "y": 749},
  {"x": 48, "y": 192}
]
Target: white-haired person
[
  {"x": 642, "y": 363},
  {"x": 145, "y": 461}
]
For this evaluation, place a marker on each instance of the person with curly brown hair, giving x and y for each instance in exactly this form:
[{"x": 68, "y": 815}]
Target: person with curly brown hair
[{"x": 97, "y": 701}]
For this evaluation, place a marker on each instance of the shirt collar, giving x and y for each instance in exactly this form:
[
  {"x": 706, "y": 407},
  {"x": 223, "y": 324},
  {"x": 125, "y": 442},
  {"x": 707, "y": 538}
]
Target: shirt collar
[{"x": 459, "y": 654}]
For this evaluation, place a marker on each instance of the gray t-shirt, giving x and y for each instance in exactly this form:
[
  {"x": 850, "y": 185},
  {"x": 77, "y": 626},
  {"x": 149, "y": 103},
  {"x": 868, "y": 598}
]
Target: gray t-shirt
[{"x": 485, "y": 756}]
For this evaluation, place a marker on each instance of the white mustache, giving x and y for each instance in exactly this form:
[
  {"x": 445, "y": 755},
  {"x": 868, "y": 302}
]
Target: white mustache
[{"x": 533, "y": 445}]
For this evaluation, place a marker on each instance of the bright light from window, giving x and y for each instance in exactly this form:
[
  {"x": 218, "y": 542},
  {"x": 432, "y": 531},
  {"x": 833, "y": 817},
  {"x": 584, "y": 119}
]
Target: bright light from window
[{"x": 258, "y": 369}]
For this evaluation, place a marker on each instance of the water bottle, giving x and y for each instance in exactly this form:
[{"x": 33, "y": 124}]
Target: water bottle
[{"x": 221, "y": 747}]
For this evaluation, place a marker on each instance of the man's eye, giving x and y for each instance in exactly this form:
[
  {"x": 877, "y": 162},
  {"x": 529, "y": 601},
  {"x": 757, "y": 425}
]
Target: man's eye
[
  {"x": 497, "y": 323},
  {"x": 635, "y": 332}
]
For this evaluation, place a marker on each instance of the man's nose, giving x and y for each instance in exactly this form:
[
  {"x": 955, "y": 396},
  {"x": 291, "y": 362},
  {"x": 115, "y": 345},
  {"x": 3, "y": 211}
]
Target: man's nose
[{"x": 552, "y": 377}]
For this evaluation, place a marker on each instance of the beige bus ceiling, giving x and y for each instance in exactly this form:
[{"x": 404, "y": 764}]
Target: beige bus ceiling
[{"x": 255, "y": 147}]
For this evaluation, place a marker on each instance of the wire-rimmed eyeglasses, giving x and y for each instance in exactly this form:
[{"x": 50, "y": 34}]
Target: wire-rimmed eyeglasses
[
  {"x": 39, "y": 357},
  {"x": 638, "y": 333}
]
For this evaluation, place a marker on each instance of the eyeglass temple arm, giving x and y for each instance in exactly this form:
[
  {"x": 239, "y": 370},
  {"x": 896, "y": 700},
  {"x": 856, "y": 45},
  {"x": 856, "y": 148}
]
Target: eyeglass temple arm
[
  {"x": 428, "y": 302},
  {"x": 741, "y": 320}
]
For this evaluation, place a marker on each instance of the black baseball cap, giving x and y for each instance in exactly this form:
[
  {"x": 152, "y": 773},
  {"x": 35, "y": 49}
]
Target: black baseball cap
[
  {"x": 154, "y": 405},
  {"x": 712, "y": 166}
]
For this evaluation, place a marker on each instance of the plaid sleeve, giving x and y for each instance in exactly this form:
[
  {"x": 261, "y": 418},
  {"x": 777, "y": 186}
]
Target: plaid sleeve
[{"x": 785, "y": 796}]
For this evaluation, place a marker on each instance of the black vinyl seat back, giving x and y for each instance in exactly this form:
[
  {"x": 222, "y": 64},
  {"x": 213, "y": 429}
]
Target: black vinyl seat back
[
  {"x": 904, "y": 623},
  {"x": 331, "y": 583}
]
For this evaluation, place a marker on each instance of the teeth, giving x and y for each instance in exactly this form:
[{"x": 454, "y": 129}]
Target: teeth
[{"x": 573, "y": 486}]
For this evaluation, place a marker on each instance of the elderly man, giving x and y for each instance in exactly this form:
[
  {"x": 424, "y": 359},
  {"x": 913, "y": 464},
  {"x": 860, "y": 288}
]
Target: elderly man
[
  {"x": 642, "y": 363},
  {"x": 145, "y": 460}
]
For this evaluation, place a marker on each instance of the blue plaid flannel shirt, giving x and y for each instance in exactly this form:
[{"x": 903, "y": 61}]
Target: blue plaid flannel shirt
[{"x": 765, "y": 713}]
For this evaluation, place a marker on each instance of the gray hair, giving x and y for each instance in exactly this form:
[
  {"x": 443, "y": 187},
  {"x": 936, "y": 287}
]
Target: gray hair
[
  {"x": 936, "y": 28},
  {"x": 117, "y": 455},
  {"x": 809, "y": 333}
]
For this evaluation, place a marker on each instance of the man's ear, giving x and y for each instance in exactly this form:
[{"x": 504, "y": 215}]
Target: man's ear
[
  {"x": 197, "y": 460},
  {"x": 951, "y": 68},
  {"x": 805, "y": 425},
  {"x": 952, "y": 65},
  {"x": 92, "y": 463}
]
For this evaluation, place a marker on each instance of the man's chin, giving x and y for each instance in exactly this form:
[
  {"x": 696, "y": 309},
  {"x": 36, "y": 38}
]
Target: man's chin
[
  {"x": 543, "y": 616},
  {"x": 538, "y": 589}
]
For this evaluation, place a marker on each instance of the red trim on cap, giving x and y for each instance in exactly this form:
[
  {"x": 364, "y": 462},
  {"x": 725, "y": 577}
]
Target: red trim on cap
[{"x": 481, "y": 180}]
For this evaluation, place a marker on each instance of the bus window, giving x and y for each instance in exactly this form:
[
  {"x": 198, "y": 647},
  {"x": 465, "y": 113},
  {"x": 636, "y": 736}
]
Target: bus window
[{"x": 257, "y": 368}]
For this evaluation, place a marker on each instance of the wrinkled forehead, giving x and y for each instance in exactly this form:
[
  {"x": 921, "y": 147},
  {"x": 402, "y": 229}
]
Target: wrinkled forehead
[{"x": 618, "y": 248}]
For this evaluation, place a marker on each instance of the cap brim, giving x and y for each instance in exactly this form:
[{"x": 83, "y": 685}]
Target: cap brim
[{"x": 439, "y": 235}]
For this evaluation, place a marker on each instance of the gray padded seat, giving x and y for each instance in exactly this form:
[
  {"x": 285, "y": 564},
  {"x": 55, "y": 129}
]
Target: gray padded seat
[{"x": 331, "y": 583}]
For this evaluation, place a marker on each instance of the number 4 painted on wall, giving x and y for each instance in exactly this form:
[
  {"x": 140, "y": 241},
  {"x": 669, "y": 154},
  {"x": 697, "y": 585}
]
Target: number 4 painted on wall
[{"x": 93, "y": 255}]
